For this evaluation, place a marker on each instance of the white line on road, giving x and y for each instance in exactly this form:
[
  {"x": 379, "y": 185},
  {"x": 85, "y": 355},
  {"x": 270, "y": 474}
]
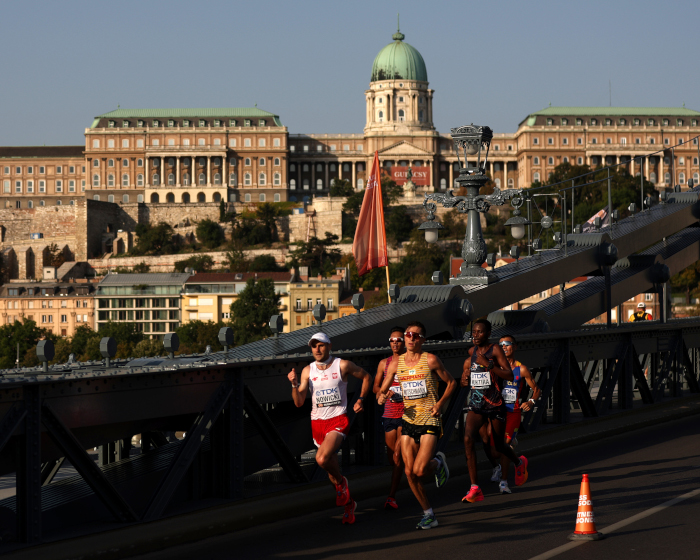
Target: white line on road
[{"x": 615, "y": 526}]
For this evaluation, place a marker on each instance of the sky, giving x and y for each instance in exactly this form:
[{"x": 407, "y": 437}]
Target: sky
[{"x": 490, "y": 63}]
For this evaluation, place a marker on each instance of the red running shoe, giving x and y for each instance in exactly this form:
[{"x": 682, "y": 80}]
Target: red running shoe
[
  {"x": 474, "y": 495},
  {"x": 391, "y": 503},
  {"x": 521, "y": 472},
  {"x": 349, "y": 515},
  {"x": 342, "y": 496}
]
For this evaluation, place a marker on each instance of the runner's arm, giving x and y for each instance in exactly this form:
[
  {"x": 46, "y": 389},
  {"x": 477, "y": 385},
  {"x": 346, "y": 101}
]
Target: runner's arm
[
  {"x": 466, "y": 372},
  {"x": 349, "y": 368},
  {"x": 379, "y": 377},
  {"x": 527, "y": 375},
  {"x": 299, "y": 388},
  {"x": 383, "y": 393},
  {"x": 436, "y": 365},
  {"x": 501, "y": 367}
]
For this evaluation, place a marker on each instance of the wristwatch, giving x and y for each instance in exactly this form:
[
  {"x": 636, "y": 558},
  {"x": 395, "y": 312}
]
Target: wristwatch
[{"x": 360, "y": 398}]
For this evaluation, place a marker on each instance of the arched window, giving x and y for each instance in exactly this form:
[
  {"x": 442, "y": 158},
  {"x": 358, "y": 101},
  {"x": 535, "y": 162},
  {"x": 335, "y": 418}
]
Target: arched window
[
  {"x": 185, "y": 198},
  {"x": 155, "y": 198},
  {"x": 202, "y": 162},
  {"x": 420, "y": 115},
  {"x": 535, "y": 160},
  {"x": 319, "y": 184},
  {"x": 125, "y": 198},
  {"x": 293, "y": 184},
  {"x": 247, "y": 180},
  {"x": 696, "y": 178},
  {"x": 217, "y": 178},
  {"x": 262, "y": 162},
  {"x": 232, "y": 162},
  {"x": 125, "y": 162},
  {"x": 319, "y": 167},
  {"x": 402, "y": 115},
  {"x": 202, "y": 179},
  {"x": 262, "y": 197},
  {"x": 511, "y": 183},
  {"x": 201, "y": 197},
  {"x": 652, "y": 177},
  {"x": 170, "y": 197},
  {"x": 305, "y": 168},
  {"x": 95, "y": 180},
  {"x": 667, "y": 178},
  {"x": 262, "y": 179},
  {"x": 381, "y": 116},
  {"x": 346, "y": 167},
  {"x": 94, "y": 197},
  {"x": 139, "y": 163},
  {"x": 277, "y": 162},
  {"x": 30, "y": 204},
  {"x": 566, "y": 159},
  {"x": 306, "y": 184},
  {"x": 550, "y": 161},
  {"x": 110, "y": 163},
  {"x": 247, "y": 162},
  {"x": 536, "y": 177},
  {"x": 58, "y": 203},
  {"x": 186, "y": 179},
  {"x": 681, "y": 178},
  {"x": 443, "y": 184},
  {"x": 276, "y": 179},
  {"x": 139, "y": 180},
  {"x": 216, "y": 197},
  {"x": 110, "y": 198},
  {"x": 232, "y": 179},
  {"x": 277, "y": 197},
  {"x": 139, "y": 198},
  {"x": 96, "y": 163},
  {"x": 156, "y": 179},
  {"x": 110, "y": 180},
  {"x": 171, "y": 178},
  {"x": 125, "y": 180}
]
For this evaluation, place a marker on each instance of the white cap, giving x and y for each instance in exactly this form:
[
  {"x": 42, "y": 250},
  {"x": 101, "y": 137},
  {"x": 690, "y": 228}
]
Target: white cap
[
  {"x": 321, "y": 337},
  {"x": 641, "y": 304}
]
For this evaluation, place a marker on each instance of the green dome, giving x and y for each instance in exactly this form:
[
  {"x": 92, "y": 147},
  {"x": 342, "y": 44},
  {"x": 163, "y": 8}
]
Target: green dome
[{"x": 399, "y": 61}]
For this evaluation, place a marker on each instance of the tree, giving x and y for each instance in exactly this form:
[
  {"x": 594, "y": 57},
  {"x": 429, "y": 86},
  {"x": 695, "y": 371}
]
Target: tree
[
  {"x": 26, "y": 334},
  {"x": 56, "y": 255},
  {"x": 210, "y": 234},
  {"x": 265, "y": 263},
  {"x": 398, "y": 225},
  {"x": 391, "y": 192},
  {"x": 156, "y": 240},
  {"x": 317, "y": 254},
  {"x": 687, "y": 280},
  {"x": 195, "y": 336},
  {"x": 252, "y": 310},
  {"x": 267, "y": 213},
  {"x": 235, "y": 257},
  {"x": 198, "y": 263},
  {"x": 141, "y": 267},
  {"x": 341, "y": 187}
]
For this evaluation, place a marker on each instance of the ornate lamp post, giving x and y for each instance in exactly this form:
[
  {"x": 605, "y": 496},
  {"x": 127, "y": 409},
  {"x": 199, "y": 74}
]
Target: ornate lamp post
[{"x": 473, "y": 140}]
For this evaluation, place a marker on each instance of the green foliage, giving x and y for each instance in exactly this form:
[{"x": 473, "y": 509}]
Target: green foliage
[
  {"x": 391, "y": 192},
  {"x": 56, "y": 256},
  {"x": 210, "y": 234},
  {"x": 156, "y": 240},
  {"x": 26, "y": 334},
  {"x": 265, "y": 263},
  {"x": 399, "y": 225},
  {"x": 687, "y": 281},
  {"x": 235, "y": 257},
  {"x": 148, "y": 348},
  {"x": 455, "y": 225},
  {"x": 341, "y": 187},
  {"x": 317, "y": 254},
  {"x": 222, "y": 211},
  {"x": 249, "y": 232},
  {"x": 252, "y": 310},
  {"x": 199, "y": 263},
  {"x": 142, "y": 268},
  {"x": 267, "y": 214},
  {"x": 195, "y": 336},
  {"x": 349, "y": 226}
]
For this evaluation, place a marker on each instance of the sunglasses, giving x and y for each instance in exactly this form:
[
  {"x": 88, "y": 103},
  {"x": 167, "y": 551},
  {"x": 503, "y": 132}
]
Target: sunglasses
[
  {"x": 506, "y": 343},
  {"x": 396, "y": 339},
  {"x": 410, "y": 335}
]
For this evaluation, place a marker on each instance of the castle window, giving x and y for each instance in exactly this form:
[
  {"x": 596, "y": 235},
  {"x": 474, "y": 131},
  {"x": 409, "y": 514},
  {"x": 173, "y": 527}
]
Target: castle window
[
  {"x": 217, "y": 178},
  {"x": 261, "y": 142},
  {"x": 217, "y": 141},
  {"x": 246, "y": 143},
  {"x": 171, "y": 123},
  {"x": 247, "y": 180},
  {"x": 110, "y": 124},
  {"x": 125, "y": 124},
  {"x": 110, "y": 198},
  {"x": 217, "y": 123},
  {"x": 381, "y": 116},
  {"x": 401, "y": 115},
  {"x": 185, "y": 122},
  {"x": 156, "y": 123},
  {"x": 276, "y": 142},
  {"x": 262, "y": 179},
  {"x": 171, "y": 178},
  {"x": 95, "y": 180},
  {"x": 565, "y": 122},
  {"x": 293, "y": 184},
  {"x": 550, "y": 122},
  {"x": 277, "y": 197},
  {"x": 202, "y": 179},
  {"x": 202, "y": 122},
  {"x": 246, "y": 122},
  {"x": 579, "y": 122},
  {"x": 232, "y": 142},
  {"x": 247, "y": 162},
  {"x": 232, "y": 122},
  {"x": 139, "y": 180},
  {"x": 276, "y": 179},
  {"x": 262, "y": 161},
  {"x": 200, "y": 142}
]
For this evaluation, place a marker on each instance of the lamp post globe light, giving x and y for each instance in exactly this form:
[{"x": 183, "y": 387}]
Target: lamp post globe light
[{"x": 473, "y": 140}]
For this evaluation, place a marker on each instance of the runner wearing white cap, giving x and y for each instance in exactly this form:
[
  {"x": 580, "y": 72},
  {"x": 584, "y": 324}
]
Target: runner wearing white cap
[
  {"x": 327, "y": 380},
  {"x": 641, "y": 313}
]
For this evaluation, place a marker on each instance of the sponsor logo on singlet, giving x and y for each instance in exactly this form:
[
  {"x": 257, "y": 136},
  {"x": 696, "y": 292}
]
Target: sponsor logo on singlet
[
  {"x": 510, "y": 395},
  {"x": 413, "y": 390},
  {"x": 328, "y": 397},
  {"x": 480, "y": 379}
]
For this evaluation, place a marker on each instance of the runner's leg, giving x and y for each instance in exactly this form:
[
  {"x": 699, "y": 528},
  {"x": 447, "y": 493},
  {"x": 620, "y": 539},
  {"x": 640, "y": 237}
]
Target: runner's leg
[
  {"x": 499, "y": 438},
  {"x": 489, "y": 450},
  {"x": 327, "y": 456},
  {"x": 409, "y": 451},
  {"x": 471, "y": 432},
  {"x": 392, "y": 439}
]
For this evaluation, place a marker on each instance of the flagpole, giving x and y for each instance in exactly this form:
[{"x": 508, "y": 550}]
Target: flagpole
[{"x": 387, "y": 279}]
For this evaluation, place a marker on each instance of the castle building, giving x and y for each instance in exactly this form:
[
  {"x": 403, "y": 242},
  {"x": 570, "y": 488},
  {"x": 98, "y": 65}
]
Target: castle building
[{"x": 246, "y": 155}]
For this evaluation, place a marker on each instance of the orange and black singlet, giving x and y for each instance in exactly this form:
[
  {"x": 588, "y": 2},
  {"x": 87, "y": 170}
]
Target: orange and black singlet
[{"x": 419, "y": 386}]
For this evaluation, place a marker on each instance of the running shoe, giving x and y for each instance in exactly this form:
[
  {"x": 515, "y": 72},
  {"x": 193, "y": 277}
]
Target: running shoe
[
  {"x": 428, "y": 522},
  {"x": 442, "y": 474},
  {"x": 496, "y": 474},
  {"x": 503, "y": 487},
  {"x": 521, "y": 471},
  {"x": 391, "y": 503},
  {"x": 474, "y": 495},
  {"x": 349, "y": 515},
  {"x": 342, "y": 493}
]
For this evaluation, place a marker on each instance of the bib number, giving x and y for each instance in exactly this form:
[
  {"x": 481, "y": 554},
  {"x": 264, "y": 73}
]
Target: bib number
[
  {"x": 397, "y": 397},
  {"x": 510, "y": 395},
  {"x": 328, "y": 397},
  {"x": 413, "y": 390},
  {"x": 480, "y": 379}
]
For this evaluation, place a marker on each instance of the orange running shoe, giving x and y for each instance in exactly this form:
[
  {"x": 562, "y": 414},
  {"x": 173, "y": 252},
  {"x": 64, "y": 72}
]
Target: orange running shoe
[
  {"x": 521, "y": 472},
  {"x": 474, "y": 495},
  {"x": 349, "y": 515},
  {"x": 342, "y": 493},
  {"x": 391, "y": 503}
]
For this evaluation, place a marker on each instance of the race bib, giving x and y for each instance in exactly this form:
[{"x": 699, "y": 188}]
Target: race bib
[
  {"x": 480, "y": 379},
  {"x": 397, "y": 397},
  {"x": 510, "y": 395},
  {"x": 328, "y": 397},
  {"x": 413, "y": 390}
]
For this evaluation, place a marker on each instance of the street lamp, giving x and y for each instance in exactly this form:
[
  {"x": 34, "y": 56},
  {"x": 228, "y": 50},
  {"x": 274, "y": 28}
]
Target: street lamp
[
  {"x": 517, "y": 223},
  {"x": 472, "y": 141}
]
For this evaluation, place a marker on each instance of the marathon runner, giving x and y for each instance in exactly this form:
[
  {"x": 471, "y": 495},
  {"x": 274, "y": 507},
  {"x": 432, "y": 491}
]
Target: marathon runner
[
  {"x": 418, "y": 373},
  {"x": 327, "y": 379},
  {"x": 393, "y": 411},
  {"x": 484, "y": 372},
  {"x": 511, "y": 396}
]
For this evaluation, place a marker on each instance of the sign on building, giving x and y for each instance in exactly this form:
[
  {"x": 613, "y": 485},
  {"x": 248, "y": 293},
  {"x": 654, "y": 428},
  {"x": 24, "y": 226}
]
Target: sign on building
[{"x": 421, "y": 175}]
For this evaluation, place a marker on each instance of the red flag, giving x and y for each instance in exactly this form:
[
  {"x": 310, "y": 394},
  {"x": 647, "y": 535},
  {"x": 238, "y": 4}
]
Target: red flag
[{"x": 369, "y": 246}]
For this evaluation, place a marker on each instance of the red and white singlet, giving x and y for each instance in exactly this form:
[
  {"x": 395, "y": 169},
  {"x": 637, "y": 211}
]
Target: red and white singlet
[{"x": 329, "y": 393}]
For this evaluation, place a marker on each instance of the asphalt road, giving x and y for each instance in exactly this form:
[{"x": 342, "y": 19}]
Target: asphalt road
[{"x": 629, "y": 474}]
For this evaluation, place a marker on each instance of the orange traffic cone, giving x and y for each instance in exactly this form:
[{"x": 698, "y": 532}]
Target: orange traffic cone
[{"x": 585, "y": 520}]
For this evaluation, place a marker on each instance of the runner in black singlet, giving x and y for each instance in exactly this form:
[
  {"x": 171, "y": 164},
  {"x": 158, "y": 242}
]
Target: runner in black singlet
[{"x": 484, "y": 372}]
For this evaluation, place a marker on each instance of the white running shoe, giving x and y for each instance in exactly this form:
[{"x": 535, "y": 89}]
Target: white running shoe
[
  {"x": 503, "y": 487},
  {"x": 496, "y": 475}
]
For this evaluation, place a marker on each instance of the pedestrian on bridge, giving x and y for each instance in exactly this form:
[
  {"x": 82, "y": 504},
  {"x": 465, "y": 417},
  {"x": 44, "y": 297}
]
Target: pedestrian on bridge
[
  {"x": 327, "y": 380},
  {"x": 484, "y": 372},
  {"x": 419, "y": 373},
  {"x": 393, "y": 410},
  {"x": 641, "y": 313}
]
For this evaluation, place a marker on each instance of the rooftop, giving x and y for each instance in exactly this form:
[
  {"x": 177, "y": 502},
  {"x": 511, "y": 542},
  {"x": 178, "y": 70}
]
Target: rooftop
[
  {"x": 223, "y": 112},
  {"x": 41, "y": 151},
  {"x": 150, "y": 279},
  {"x": 213, "y": 277},
  {"x": 618, "y": 111}
]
